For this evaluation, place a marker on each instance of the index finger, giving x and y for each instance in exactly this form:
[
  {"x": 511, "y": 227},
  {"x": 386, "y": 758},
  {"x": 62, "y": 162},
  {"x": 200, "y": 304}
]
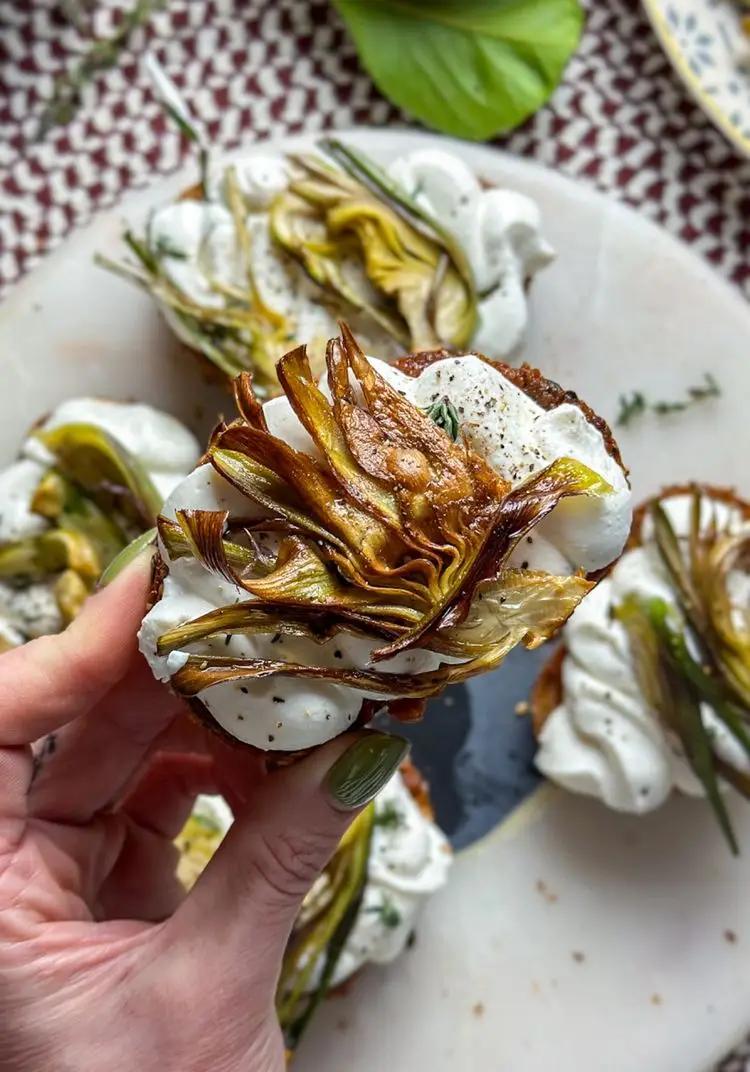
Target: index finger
[{"x": 50, "y": 681}]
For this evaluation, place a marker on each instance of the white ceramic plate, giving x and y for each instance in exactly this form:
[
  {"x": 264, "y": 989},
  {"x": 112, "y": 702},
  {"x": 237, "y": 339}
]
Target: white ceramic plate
[
  {"x": 705, "y": 43},
  {"x": 570, "y": 938}
]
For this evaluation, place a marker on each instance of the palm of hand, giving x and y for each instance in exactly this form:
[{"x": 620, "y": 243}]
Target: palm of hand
[{"x": 101, "y": 961}]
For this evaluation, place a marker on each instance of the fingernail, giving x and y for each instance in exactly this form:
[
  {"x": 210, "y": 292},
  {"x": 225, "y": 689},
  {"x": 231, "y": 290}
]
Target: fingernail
[
  {"x": 361, "y": 772},
  {"x": 128, "y": 554}
]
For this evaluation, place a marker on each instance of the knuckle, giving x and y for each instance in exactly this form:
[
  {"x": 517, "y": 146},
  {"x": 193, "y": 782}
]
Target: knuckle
[{"x": 287, "y": 864}]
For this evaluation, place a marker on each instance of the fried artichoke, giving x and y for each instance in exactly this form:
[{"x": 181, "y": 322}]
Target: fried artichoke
[
  {"x": 80, "y": 497},
  {"x": 268, "y": 250},
  {"x": 388, "y": 531}
]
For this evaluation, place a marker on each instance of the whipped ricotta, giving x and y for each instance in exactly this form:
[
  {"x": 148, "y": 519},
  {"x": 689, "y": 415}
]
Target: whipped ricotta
[
  {"x": 500, "y": 231},
  {"x": 165, "y": 449},
  {"x": 503, "y": 425},
  {"x": 604, "y": 739},
  {"x": 409, "y": 861}
]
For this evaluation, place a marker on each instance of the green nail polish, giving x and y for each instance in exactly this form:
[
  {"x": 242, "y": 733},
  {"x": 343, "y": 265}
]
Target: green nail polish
[
  {"x": 126, "y": 556},
  {"x": 361, "y": 772}
]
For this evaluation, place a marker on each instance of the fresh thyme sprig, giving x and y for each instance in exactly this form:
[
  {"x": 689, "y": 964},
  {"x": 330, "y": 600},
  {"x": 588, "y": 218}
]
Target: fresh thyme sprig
[
  {"x": 389, "y": 816},
  {"x": 636, "y": 404},
  {"x": 443, "y": 413},
  {"x": 103, "y": 54},
  {"x": 389, "y": 914}
]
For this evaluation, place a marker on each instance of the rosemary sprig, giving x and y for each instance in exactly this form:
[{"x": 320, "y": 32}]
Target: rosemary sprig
[
  {"x": 325, "y": 934},
  {"x": 636, "y": 404},
  {"x": 103, "y": 54},
  {"x": 684, "y": 655},
  {"x": 672, "y": 693}
]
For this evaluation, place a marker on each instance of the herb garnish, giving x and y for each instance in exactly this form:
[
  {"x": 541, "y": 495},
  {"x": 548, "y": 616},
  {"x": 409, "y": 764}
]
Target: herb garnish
[
  {"x": 697, "y": 652},
  {"x": 636, "y": 404},
  {"x": 389, "y": 915},
  {"x": 389, "y": 816},
  {"x": 443, "y": 413}
]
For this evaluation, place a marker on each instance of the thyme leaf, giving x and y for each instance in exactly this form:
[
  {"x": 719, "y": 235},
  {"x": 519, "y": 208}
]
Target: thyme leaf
[
  {"x": 389, "y": 816},
  {"x": 443, "y": 413},
  {"x": 636, "y": 404},
  {"x": 389, "y": 915}
]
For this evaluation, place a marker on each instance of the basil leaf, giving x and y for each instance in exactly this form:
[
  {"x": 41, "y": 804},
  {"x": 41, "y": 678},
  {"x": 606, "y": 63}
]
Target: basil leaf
[{"x": 472, "y": 68}]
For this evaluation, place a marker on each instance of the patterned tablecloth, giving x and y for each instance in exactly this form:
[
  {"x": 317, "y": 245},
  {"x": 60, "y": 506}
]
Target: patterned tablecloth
[{"x": 257, "y": 68}]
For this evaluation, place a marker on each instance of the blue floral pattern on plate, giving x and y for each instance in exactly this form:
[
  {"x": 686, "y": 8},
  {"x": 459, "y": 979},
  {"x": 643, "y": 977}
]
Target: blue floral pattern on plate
[{"x": 705, "y": 42}]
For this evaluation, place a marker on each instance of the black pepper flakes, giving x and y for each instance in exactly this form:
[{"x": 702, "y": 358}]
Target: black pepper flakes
[{"x": 278, "y": 699}]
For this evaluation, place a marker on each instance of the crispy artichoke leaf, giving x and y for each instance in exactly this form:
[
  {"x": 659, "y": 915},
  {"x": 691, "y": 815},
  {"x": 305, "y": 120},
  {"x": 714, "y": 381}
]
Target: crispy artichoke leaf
[
  {"x": 700, "y": 575},
  {"x": 204, "y": 532},
  {"x": 254, "y": 618},
  {"x": 729, "y": 621},
  {"x": 297, "y": 227},
  {"x": 202, "y": 671},
  {"x": 178, "y": 545},
  {"x": 366, "y": 170},
  {"x": 535, "y": 602},
  {"x": 36, "y": 557},
  {"x": 62, "y": 503},
  {"x": 71, "y": 593},
  {"x": 324, "y": 512},
  {"x": 414, "y": 286},
  {"x": 316, "y": 414},
  {"x": 302, "y": 578},
  {"x": 679, "y": 570},
  {"x": 523, "y": 508}
]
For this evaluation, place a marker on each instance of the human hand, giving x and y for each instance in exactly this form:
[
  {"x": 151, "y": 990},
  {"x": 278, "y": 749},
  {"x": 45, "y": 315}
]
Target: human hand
[{"x": 105, "y": 963}]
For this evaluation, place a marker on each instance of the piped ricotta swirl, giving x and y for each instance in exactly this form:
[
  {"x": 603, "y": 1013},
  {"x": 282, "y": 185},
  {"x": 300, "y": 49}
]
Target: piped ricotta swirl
[{"x": 604, "y": 739}]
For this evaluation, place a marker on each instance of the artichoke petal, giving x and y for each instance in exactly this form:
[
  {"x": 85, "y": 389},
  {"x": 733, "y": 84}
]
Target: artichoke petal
[{"x": 391, "y": 530}]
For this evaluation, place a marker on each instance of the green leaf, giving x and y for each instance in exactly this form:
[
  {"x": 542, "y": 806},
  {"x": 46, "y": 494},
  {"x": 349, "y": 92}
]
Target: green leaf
[{"x": 472, "y": 68}]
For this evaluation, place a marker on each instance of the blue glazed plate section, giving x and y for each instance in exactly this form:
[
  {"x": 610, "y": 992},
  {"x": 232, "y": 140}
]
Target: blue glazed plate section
[{"x": 475, "y": 751}]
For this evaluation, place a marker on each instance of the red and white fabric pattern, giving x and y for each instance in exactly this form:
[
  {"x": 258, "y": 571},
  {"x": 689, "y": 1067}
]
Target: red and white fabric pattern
[{"x": 253, "y": 69}]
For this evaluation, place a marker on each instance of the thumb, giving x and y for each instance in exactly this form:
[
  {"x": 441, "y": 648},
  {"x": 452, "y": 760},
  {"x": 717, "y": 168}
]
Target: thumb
[{"x": 242, "y": 909}]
